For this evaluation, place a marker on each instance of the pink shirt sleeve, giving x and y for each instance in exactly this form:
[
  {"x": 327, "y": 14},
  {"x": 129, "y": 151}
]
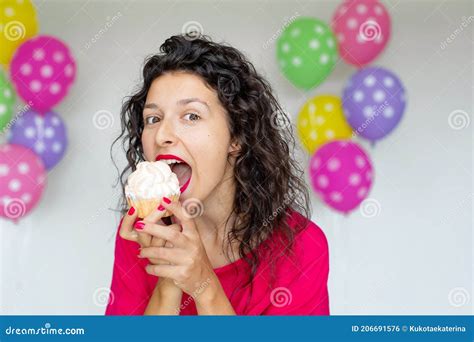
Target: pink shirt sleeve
[
  {"x": 130, "y": 288},
  {"x": 302, "y": 286}
]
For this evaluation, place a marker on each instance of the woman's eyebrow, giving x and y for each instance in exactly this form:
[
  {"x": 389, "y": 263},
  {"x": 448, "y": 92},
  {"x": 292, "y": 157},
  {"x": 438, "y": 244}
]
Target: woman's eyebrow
[{"x": 183, "y": 102}]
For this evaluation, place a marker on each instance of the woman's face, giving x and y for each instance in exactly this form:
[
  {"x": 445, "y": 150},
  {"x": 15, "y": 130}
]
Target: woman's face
[{"x": 184, "y": 118}]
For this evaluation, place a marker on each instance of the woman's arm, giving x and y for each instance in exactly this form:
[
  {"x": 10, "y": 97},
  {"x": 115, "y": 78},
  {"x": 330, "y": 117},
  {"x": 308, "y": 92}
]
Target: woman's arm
[
  {"x": 165, "y": 300},
  {"x": 213, "y": 300}
]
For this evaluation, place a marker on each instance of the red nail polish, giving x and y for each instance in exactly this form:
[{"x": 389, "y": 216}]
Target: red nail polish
[
  {"x": 167, "y": 200},
  {"x": 139, "y": 225},
  {"x": 161, "y": 208},
  {"x": 131, "y": 211}
]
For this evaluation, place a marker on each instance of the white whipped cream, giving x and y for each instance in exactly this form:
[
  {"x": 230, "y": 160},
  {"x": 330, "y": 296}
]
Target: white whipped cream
[{"x": 152, "y": 180}]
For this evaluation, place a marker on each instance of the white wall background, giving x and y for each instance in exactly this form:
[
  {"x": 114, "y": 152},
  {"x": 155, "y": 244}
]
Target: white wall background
[{"x": 413, "y": 257}]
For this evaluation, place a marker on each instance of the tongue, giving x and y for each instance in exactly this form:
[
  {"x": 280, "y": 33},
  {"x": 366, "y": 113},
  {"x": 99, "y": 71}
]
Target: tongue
[{"x": 183, "y": 171}]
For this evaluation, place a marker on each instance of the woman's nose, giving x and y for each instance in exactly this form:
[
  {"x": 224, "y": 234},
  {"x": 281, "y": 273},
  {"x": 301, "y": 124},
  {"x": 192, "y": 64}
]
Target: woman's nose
[{"x": 165, "y": 135}]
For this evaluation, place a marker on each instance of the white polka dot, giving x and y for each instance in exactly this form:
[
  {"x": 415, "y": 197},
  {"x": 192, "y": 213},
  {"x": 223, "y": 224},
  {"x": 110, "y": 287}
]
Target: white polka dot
[
  {"x": 46, "y": 71},
  {"x": 361, "y": 9},
  {"x": 379, "y": 95},
  {"x": 6, "y": 200},
  {"x": 9, "y": 12},
  {"x": 313, "y": 135},
  {"x": 26, "y": 197},
  {"x": 35, "y": 86},
  {"x": 360, "y": 162},
  {"x": 14, "y": 185},
  {"x": 330, "y": 134},
  {"x": 4, "y": 170},
  {"x": 319, "y": 29},
  {"x": 55, "y": 121},
  {"x": 388, "y": 112},
  {"x": 320, "y": 120},
  {"x": 49, "y": 132},
  {"x": 388, "y": 82},
  {"x": 351, "y": 23},
  {"x": 354, "y": 179},
  {"x": 58, "y": 57},
  {"x": 285, "y": 47},
  {"x": 55, "y": 88},
  {"x": 336, "y": 196},
  {"x": 57, "y": 147},
  {"x": 358, "y": 96},
  {"x": 333, "y": 164},
  {"x": 369, "y": 81},
  {"x": 304, "y": 122},
  {"x": 3, "y": 109},
  {"x": 23, "y": 168},
  {"x": 39, "y": 121},
  {"x": 7, "y": 93},
  {"x": 25, "y": 69},
  {"x": 322, "y": 181},
  {"x": 38, "y": 54},
  {"x": 378, "y": 10},
  {"x": 324, "y": 58},
  {"x": 295, "y": 32},
  {"x": 296, "y": 61},
  {"x": 39, "y": 147},
  {"x": 312, "y": 108},
  {"x": 368, "y": 111},
  {"x": 314, "y": 44},
  {"x": 328, "y": 107},
  {"x": 316, "y": 162},
  {"x": 361, "y": 192}
]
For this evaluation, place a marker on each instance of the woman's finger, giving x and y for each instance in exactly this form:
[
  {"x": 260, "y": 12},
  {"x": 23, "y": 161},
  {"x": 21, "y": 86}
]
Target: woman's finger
[
  {"x": 166, "y": 271},
  {"x": 185, "y": 218},
  {"x": 173, "y": 256},
  {"x": 126, "y": 229},
  {"x": 164, "y": 232}
]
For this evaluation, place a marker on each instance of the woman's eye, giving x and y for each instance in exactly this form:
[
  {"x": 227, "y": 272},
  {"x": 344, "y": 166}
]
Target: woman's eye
[
  {"x": 192, "y": 116},
  {"x": 150, "y": 120}
]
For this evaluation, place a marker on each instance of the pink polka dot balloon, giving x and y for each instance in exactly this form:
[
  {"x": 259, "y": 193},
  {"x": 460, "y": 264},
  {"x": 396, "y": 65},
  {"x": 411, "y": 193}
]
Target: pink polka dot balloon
[
  {"x": 362, "y": 28},
  {"x": 22, "y": 181},
  {"x": 341, "y": 174},
  {"x": 42, "y": 71}
]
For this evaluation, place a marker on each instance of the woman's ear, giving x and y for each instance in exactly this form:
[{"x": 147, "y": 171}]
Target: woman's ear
[{"x": 234, "y": 149}]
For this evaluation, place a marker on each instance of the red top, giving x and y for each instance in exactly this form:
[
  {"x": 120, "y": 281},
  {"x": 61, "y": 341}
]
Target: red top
[{"x": 299, "y": 288}]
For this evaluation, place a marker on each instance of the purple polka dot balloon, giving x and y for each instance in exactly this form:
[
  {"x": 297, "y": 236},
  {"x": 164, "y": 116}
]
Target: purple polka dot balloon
[
  {"x": 374, "y": 102},
  {"x": 43, "y": 134}
]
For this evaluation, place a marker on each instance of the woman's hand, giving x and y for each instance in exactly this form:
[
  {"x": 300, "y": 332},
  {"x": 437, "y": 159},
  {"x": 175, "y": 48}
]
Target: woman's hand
[{"x": 189, "y": 265}]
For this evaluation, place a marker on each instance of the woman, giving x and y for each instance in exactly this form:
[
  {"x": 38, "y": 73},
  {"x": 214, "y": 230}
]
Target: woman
[{"x": 251, "y": 248}]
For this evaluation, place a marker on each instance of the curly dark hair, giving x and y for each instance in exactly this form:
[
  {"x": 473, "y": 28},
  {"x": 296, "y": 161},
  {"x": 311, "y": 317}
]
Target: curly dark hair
[{"x": 269, "y": 182}]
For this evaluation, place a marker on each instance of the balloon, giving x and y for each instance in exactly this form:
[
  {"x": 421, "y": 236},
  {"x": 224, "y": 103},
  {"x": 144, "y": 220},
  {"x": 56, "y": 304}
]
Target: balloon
[
  {"x": 374, "y": 102},
  {"x": 341, "y": 174},
  {"x": 307, "y": 52},
  {"x": 320, "y": 120},
  {"x": 17, "y": 23},
  {"x": 7, "y": 101},
  {"x": 22, "y": 181},
  {"x": 46, "y": 136},
  {"x": 42, "y": 70},
  {"x": 362, "y": 28}
]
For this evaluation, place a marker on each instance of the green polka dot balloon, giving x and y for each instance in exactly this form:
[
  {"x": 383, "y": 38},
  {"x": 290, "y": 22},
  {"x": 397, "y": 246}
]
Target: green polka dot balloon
[
  {"x": 7, "y": 101},
  {"x": 307, "y": 52}
]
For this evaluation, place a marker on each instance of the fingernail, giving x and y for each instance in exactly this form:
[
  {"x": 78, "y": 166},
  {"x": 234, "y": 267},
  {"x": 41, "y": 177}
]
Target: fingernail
[
  {"x": 161, "y": 208},
  {"x": 139, "y": 225},
  {"x": 131, "y": 211},
  {"x": 167, "y": 200},
  {"x": 138, "y": 253}
]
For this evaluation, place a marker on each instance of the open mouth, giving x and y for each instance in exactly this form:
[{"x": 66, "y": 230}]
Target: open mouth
[{"x": 179, "y": 167}]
